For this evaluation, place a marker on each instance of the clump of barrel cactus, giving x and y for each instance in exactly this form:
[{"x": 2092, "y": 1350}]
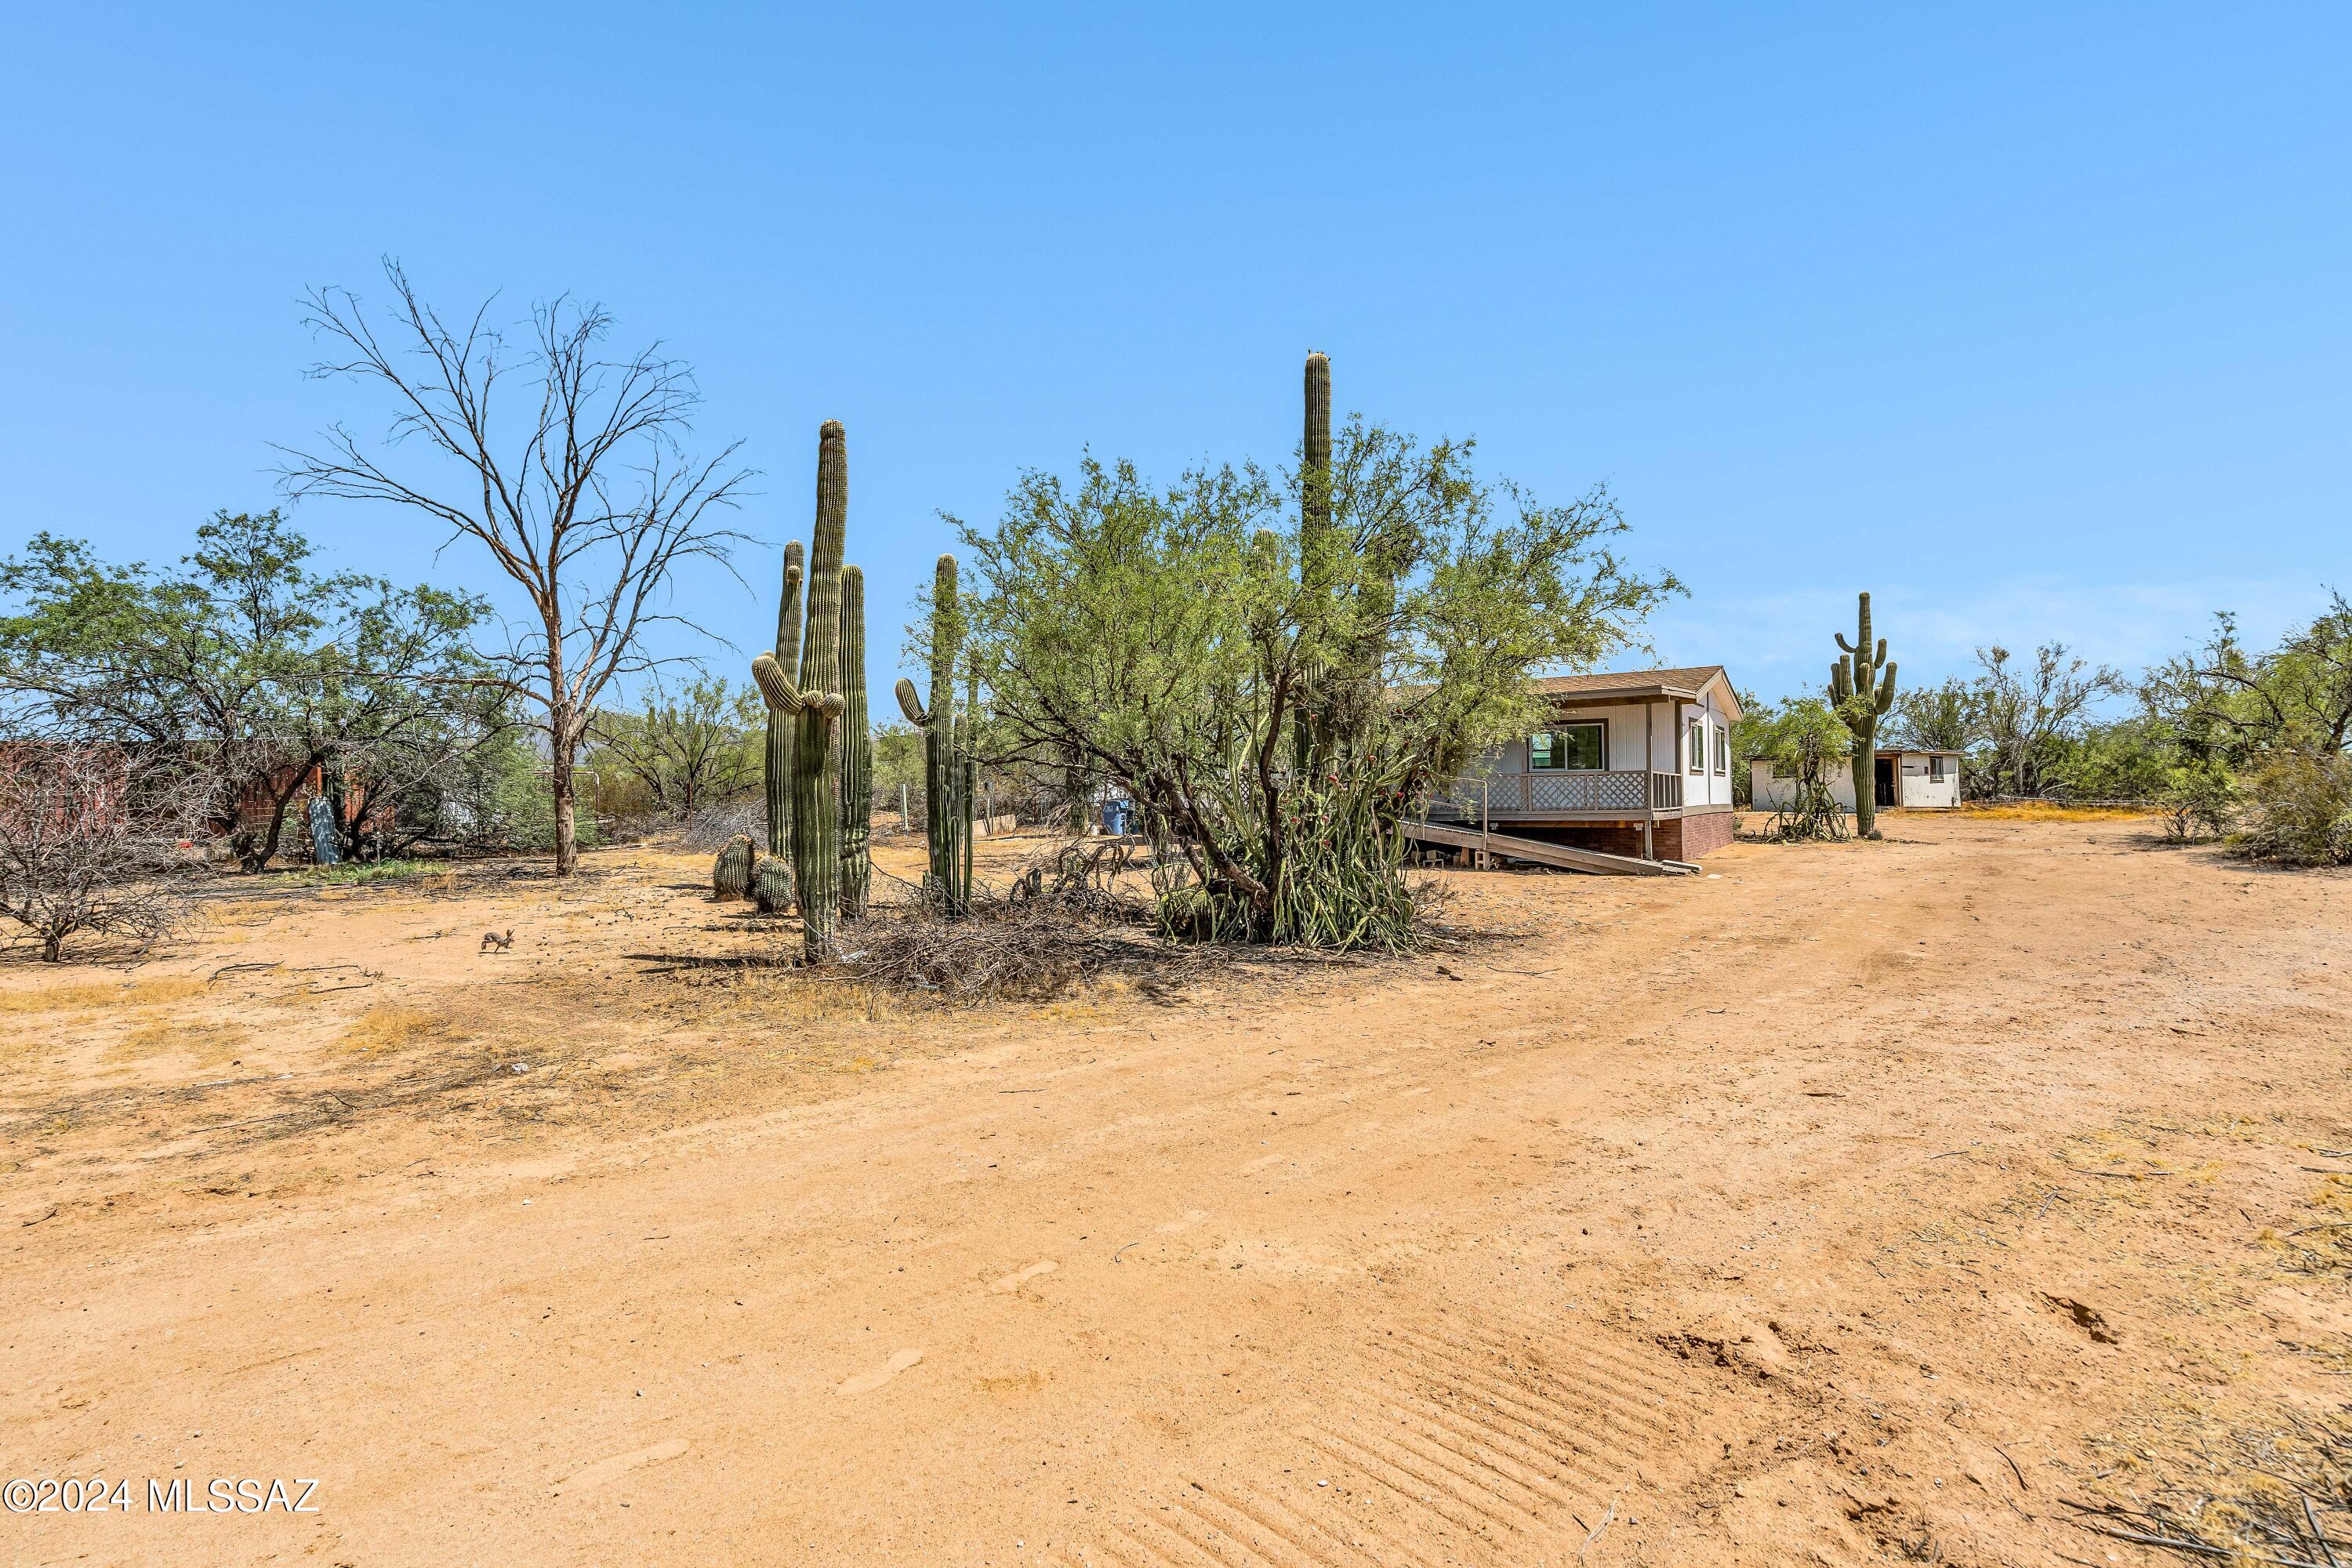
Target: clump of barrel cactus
[
  {"x": 730, "y": 875},
  {"x": 948, "y": 779},
  {"x": 771, "y": 884},
  {"x": 1862, "y": 689}
]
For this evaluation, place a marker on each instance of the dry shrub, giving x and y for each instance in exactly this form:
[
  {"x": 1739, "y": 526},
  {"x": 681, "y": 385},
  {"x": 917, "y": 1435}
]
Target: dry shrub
[
  {"x": 208, "y": 1041},
  {"x": 1033, "y": 950},
  {"x": 2299, "y": 811},
  {"x": 712, "y": 826},
  {"x": 2277, "y": 1494},
  {"x": 388, "y": 1026}
]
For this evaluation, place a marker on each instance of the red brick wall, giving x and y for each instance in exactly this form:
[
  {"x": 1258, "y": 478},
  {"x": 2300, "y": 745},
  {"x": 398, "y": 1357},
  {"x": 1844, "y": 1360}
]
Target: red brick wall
[{"x": 1694, "y": 836}]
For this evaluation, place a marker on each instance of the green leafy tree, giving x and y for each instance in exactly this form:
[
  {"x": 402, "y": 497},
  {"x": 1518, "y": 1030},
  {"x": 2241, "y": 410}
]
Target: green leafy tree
[
  {"x": 1940, "y": 717},
  {"x": 1751, "y": 739},
  {"x": 2029, "y": 714},
  {"x": 246, "y": 667},
  {"x": 2130, "y": 759},
  {"x": 1805, "y": 742},
  {"x": 1180, "y": 641},
  {"x": 687, "y": 747},
  {"x": 898, "y": 763},
  {"x": 2225, "y": 702}
]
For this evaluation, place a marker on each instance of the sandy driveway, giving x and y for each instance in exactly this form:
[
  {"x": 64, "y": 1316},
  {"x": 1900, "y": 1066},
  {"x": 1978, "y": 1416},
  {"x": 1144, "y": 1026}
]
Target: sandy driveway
[{"x": 1860, "y": 1201}]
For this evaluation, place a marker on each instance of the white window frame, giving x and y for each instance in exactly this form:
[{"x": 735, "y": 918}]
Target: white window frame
[{"x": 1562, "y": 727}]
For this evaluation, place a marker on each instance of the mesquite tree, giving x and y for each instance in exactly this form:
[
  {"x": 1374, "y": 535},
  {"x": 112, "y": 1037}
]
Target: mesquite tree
[
  {"x": 1862, "y": 694},
  {"x": 1276, "y": 698},
  {"x": 584, "y": 497},
  {"x": 255, "y": 667}
]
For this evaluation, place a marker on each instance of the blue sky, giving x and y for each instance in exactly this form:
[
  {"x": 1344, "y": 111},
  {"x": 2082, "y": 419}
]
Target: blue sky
[{"x": 2034, "y": 321}]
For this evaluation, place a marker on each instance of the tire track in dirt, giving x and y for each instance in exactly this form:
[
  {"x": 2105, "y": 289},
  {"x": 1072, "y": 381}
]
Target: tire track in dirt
[{"x": 1456, "y": 1437}]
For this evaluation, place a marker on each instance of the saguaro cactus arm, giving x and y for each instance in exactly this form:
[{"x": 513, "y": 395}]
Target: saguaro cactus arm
[
  {"x": 911, "y": 705},
  {"x": 777, "y": 780},
  {"x": 784, "y": 697}
]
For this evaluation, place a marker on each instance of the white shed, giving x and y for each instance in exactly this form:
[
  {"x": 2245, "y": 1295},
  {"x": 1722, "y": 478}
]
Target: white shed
[{"x": 1911, "y": 778}]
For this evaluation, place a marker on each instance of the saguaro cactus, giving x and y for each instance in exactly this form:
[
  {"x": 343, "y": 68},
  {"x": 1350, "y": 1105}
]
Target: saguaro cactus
[
  {"x": 1317, "y": 566},
  {"x": 781, "y": 729},
  {"x": 814, "y": 703},
  {"x": 856, "y": 750},
  {"x": 947, "y": 786},
  {"x": 1862, "y": 689}
]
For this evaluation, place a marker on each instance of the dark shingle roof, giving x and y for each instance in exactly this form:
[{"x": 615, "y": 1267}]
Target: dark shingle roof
[{"x": 1685, "y": 679}]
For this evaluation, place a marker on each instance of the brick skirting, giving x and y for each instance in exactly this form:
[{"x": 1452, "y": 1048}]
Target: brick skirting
[
  {"x": 1681, "y": 838},
  {"x": 1694, "y": 836}
]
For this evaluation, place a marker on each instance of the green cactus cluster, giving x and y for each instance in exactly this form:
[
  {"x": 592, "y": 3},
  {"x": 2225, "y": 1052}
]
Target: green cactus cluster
[
  {"x": 1862, "y": 689},
  {"x": 814, "y": 700},
  {"x": 772, "y": 885},
  {"x": 949, "y": 780},
  {"x": 730, "y": 874}
]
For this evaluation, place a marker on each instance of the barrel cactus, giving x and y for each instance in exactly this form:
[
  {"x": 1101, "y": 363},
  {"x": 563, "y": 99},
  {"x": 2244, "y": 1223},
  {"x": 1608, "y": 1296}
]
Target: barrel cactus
[
  {"x": 771, "y": 884},
  {"x": 947, "y": 785},
  {"x": 1862, "y": 689},
  {"x": 730, "y": 875}
]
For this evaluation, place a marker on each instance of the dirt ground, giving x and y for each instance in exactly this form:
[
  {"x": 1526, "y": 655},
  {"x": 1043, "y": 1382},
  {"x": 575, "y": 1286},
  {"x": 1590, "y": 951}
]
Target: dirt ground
[{"x": 1853, "y": 1204}]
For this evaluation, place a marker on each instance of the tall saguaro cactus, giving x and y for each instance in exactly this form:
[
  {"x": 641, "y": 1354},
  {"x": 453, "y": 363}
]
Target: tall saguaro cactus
[
  {"x": 812, "y": 699},
  {"x": 856, "y": 750},
  {"x": 947, "y": 779},
  {"x": 781, "y": 729},
  {"x": 1862, "y": 689},
  {"x": 1318, "y": 549}
]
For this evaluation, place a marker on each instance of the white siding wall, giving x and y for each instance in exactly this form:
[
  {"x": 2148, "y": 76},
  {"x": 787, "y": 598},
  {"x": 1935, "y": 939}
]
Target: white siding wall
[
  {"x": 1664, "y": 725},
  {"x": 1914, "y": 789},
  {"x": 1770, "y": 793}
]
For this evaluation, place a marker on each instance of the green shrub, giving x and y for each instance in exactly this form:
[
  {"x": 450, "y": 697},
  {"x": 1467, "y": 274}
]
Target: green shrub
[
  {"x": 2199, "y": 803},
  {"x": 2299, "y": 811}
]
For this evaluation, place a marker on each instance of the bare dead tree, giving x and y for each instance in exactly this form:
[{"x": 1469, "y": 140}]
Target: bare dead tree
[
  {"x": 586, "y": 495},
  {"x": 89, "y": 838}
]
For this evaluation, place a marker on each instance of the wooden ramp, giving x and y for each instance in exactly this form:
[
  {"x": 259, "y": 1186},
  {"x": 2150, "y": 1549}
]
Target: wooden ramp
[{"x": 1535, "y": 851}]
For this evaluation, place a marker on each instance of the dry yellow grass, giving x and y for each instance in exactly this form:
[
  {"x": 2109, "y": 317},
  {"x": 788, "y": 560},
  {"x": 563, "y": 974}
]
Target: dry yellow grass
[
  {"x": 2051, "y": 810},
  {"x": 85, "y": 998},
  {"x": 209, "y": 1043},
  {"x": 389, "y": 1026}
]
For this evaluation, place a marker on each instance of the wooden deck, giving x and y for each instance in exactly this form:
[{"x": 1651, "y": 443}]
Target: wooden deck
[{"x": 1536, "y": 852}]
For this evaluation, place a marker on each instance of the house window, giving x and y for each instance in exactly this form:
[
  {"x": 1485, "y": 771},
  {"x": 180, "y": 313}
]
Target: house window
[
  {"x": 1697, "y": 737},
  {"x": 1581, "y": 748},
  {"x": 1935, "y": 768},
  {"x": 1722, "y": 751}
]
